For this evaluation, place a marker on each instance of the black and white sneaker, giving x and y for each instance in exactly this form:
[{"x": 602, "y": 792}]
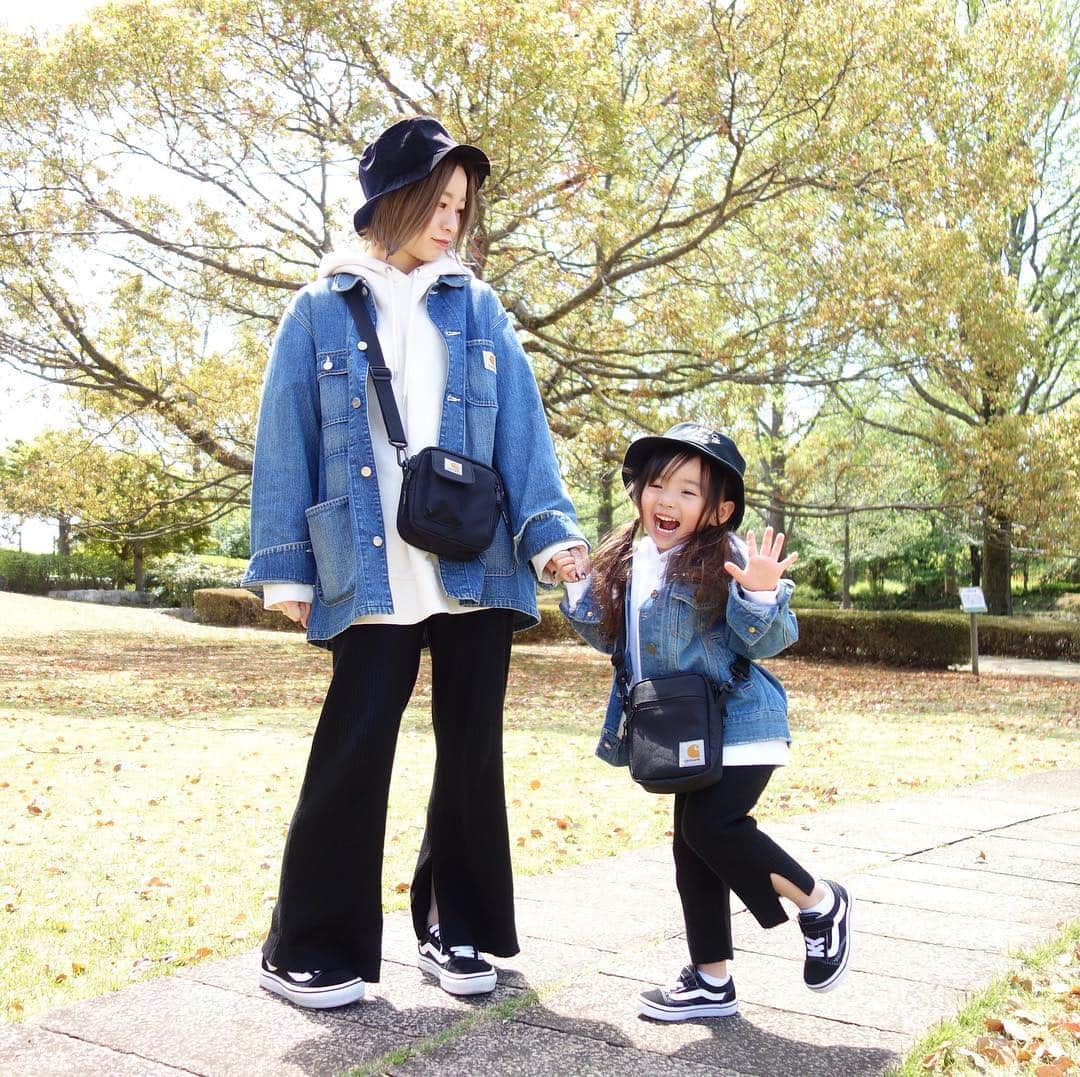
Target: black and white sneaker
[
  {"x": 690, "y": 997},
  {"x": 313, "y": 990},
  {"x": 460, "y": 970},
  {"x": 828, "y": 941}
]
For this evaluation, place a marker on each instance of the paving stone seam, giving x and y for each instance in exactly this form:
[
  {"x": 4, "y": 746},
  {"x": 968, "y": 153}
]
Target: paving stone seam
[
  {"x": 1010, "y": 874},
  {"x": 948, "y": 867},
  {"x": 116, "y": 1050},
  {"x": 1015, "y": 918},
  {"x": 939, "y": 912}
]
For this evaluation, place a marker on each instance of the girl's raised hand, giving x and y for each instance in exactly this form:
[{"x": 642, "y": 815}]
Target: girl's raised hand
[{"x": 763, "y": 567}]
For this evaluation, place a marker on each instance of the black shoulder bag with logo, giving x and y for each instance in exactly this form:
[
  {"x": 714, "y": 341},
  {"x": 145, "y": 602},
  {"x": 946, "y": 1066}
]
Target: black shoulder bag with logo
[
  {"x": 450, "y": 504},
  {"x": 674, "y": 728}
]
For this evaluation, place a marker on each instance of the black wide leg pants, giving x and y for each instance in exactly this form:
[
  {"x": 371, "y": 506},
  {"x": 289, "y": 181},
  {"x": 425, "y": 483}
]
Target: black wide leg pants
[
  {"x": 329, "y": 908},
  {"x": 718, "y": 848}
]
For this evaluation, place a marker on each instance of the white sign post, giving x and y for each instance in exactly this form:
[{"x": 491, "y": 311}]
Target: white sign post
[{"x": 973, "y": 602}]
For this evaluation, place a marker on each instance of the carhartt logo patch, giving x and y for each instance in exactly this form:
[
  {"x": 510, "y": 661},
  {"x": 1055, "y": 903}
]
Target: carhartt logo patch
[
  {"x": 452, "y": 466},
  {"x": 691, "y": 753},
  {"x": 489, "y": 361}
]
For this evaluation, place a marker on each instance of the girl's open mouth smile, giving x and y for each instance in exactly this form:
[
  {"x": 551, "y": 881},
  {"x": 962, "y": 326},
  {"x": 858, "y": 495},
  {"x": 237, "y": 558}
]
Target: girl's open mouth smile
[{"x": 665, "y": 524}]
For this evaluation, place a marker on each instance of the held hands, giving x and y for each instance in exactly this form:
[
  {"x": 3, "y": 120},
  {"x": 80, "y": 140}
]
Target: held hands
[
  {"x": 570, "y": 565},
  {"x": 296, "y": 611},
  {"x": 763, "y": 567}
]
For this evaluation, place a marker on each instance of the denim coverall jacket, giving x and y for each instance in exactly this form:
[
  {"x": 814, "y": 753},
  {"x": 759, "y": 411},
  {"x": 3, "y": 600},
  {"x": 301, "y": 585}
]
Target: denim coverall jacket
[
  {"x": 672, "y": 640},
  {"x": 316, "y": 516}
]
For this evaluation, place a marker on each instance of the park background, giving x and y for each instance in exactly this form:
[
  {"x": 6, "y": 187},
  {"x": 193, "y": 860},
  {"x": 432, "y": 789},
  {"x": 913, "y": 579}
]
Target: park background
[{"x": 845, "y": 233}]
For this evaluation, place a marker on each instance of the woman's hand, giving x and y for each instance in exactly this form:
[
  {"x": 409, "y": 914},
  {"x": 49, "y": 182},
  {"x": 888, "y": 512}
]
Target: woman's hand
[
  {"x": 570, "y": 565},
  {"x": 763, "y": 567},
  {"x": 296, "y": 611}
]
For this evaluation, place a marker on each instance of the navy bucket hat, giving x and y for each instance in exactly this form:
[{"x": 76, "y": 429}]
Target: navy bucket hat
[
  {"x": 700, "y": 439},
  {"x": 408, "y": 151}
]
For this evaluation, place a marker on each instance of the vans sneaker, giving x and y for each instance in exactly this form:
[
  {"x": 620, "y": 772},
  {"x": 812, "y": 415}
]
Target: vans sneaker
[
  {"x": 828, "y": 941},
  {"x": 690, "y": 997},
  {"x": 313, "y": 990},
  {"x": 460, "y": 970}
]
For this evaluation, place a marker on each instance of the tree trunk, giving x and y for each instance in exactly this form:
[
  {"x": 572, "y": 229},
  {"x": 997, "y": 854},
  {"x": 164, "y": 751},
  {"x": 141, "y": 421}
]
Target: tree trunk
[
  {"x": 605, "y": 510},
  {"x": 950, "y": 573},
  {"x": 63, "y": 539},
  {"x": 997, "y": 564},
  {"x": 976, "y": 564},
  {"x": 139, "y": 566},
  {"x": 845, "y": 582}
]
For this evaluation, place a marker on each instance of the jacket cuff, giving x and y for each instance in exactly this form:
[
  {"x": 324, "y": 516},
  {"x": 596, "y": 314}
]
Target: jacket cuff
[
  {"x": 548, "y": 552},
  {"x": 292, "y": 562},
  {"x": 750, "y": 619},
  {"x": 544, "y": 529}
]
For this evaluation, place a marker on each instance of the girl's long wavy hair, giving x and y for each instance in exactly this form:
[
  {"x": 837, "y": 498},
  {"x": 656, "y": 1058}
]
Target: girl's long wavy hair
[{"x": 699, "y": 560}]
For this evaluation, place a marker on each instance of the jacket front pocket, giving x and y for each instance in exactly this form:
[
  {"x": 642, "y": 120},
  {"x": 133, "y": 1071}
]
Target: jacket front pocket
[{"x": 330, "y": 527}]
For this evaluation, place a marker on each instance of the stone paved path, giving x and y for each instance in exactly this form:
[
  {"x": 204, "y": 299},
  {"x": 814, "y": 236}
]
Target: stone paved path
[{"x": 947, "y": 886}]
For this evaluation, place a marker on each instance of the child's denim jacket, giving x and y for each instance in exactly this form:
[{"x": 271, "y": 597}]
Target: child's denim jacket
[
  {"x": 673, "y": 641},
  {"x": 316, "y": 514}
]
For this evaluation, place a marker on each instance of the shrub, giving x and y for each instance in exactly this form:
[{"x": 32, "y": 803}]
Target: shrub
[
  {"x": 553, "y": 628},
  {"x": 174, "y": 579},
  {"x": 235, "y": 606},
  {"x": 1028, "y": 637},
  {"x": 40, "y": 573},
  {"x": 930, "y": 641}
]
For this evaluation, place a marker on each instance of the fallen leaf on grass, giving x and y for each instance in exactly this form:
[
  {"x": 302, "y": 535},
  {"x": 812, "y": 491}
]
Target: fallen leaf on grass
[
  {"x": 401, "y": 888},
  {"x": 978, "y": 1062},
  {"x": 535, "y": 783},
  {"x": 995, "y": 1050}
]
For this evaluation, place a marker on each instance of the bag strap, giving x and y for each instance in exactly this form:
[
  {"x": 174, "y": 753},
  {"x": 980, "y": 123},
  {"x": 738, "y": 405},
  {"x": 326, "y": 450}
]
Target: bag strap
[
  {"x": 740, "y": 668},
  {"x": 380, "y": 373}
]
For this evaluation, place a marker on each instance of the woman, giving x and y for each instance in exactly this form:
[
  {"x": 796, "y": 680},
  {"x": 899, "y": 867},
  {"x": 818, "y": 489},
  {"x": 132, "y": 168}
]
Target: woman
[{"x": 327, "y": 552}]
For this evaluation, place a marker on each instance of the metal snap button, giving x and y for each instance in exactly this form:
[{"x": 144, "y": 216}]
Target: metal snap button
[
  {"x": 366, "y": 471},
  {"x": 328, "y": 365},
  {"x": 651, "y": 648},
  {"x": 377, "y": 540},
  {"x": 362, "y": 345},
  {"x": 356, "y": 401}
]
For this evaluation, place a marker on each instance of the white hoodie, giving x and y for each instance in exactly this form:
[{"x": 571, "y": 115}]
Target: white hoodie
[{"x": 416, "y": 355}]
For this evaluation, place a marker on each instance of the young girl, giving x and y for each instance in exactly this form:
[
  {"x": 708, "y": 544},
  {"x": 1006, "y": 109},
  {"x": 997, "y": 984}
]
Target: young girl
[
  {"x": 327, "y": 552},
  {"x": 693, "y": 599}
]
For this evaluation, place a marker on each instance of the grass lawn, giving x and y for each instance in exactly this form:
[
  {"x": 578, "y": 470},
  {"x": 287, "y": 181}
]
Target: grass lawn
[{"x": 148, "y": 769}]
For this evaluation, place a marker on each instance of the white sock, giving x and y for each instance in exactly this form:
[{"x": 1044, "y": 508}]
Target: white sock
[
  {"x": 712, "y": 981},
  {"x": 824, "y": 905}
]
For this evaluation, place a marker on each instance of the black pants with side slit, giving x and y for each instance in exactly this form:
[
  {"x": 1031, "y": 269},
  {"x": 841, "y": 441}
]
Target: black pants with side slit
[
  {"x": 718, "y": 849},
  {"x": 329, "y": 909}
]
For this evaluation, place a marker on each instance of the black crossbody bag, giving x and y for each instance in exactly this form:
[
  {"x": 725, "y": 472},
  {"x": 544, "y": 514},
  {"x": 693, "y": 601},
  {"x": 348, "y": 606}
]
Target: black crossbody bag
[
  {"x": 674, "y": 727},
  {"x": 450, "y": 504}
]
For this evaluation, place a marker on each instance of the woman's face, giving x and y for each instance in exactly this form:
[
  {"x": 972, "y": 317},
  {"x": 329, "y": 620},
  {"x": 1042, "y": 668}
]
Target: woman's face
[
  {"x": 673, "y": 503},
  {"x": 436, "y": 237}
]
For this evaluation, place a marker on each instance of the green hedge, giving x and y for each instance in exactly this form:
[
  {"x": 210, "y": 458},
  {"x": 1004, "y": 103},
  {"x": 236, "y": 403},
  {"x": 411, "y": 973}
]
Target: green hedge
[
  {"x": 925, "y": 640},
  {"x": 1028, "y": 637},
  {"x": 553, "y": 628},
  {"x": 39, "y": 573},
  {"x": 929, "y": 640}
]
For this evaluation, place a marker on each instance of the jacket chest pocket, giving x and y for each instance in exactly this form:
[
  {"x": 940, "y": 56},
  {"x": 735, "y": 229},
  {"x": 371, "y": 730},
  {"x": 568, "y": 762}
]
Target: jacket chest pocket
[
  {"x": 332, "y": 372},
  {"x": 481, "y": 373}
]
